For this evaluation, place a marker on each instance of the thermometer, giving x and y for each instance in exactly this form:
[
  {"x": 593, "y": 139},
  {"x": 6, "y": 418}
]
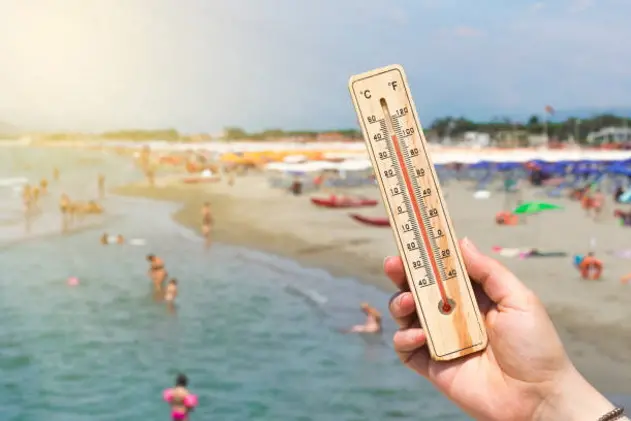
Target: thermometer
[{"x": 445, "y": 301}]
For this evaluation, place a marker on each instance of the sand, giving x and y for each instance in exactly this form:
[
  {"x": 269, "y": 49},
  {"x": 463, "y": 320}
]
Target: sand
[{"x": 593, "y": 318}]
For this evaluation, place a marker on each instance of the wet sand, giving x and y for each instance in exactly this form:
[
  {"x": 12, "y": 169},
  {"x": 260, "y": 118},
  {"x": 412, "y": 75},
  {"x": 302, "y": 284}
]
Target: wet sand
[{"x": 594, "y": 318}]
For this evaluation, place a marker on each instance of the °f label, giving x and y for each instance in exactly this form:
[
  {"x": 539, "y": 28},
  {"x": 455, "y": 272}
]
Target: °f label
[{"x": 423, "y": 230}]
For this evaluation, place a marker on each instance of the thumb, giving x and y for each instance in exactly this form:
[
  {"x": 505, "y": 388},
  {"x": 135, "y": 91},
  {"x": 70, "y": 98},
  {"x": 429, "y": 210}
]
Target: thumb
[{"x": 499, "y": 283}]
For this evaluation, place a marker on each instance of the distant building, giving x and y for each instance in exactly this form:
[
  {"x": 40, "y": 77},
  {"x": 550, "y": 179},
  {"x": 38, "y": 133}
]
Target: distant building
[
  {"x": 511, "y": 139},
  {"x": 610, "y": 135},
  {"x": 476, "y": 139},
  {"x": 538, "y": 140}
]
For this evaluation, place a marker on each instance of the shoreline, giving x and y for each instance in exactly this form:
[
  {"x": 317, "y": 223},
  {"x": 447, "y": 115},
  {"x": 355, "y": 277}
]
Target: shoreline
[
  {"x": 224, "y": 209},
  {"x": 256, "y": 216}
]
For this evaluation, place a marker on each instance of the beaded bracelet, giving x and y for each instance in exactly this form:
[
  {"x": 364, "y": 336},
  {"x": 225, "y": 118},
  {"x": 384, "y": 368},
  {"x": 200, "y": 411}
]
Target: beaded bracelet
[{"x": 613, "y": 415}]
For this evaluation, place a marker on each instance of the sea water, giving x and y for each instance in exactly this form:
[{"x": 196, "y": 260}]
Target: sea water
[{"x": 256, "y": 334}]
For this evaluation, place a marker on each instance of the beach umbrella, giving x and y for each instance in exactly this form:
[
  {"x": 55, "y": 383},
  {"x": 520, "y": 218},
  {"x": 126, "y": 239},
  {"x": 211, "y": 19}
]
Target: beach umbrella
[{"x": 534, "y": 207}]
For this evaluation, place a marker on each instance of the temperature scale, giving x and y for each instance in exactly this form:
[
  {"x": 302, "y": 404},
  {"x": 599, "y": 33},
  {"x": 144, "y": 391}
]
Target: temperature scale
[{"x": 445, "y": 301}]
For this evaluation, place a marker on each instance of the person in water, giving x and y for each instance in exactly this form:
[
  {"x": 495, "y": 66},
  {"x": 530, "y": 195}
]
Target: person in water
[
  {"x": 170, "y": 294},
  {"x": 181, "y": 400},
  {"x": 157, "y": 273},
  {"x": 207, "y": 222},
  {"x": 120, "y": 239},
  {"x": 372, "y": 323},
  {"x": 35, "y": 195},
  {"x": 104, "y": 239},
  {"x": 65, "y": 207},
  {"x": 27, "y": 198},
  {"x": 43, "y": 185},
  {"x": 523, "y": 374}
]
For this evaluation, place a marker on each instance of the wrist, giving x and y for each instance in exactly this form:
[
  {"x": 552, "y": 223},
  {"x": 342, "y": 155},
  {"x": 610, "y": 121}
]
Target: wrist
[{"x": 574, "y": 399}]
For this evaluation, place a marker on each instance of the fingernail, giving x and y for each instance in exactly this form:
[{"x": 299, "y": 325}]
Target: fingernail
[
  {"x": 469, "y": 244},
  {"x": 386, "y": 260}
]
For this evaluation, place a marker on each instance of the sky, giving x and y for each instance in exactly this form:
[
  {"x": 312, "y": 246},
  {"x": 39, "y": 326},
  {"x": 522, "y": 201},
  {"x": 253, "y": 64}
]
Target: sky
[{"x": 201, "y": 65}]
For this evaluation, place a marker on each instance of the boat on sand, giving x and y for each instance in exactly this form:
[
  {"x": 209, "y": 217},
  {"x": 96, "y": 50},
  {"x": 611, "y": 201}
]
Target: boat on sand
[
  {"x": 343, "y": 202},
  {"x": 376, "y": 221}
]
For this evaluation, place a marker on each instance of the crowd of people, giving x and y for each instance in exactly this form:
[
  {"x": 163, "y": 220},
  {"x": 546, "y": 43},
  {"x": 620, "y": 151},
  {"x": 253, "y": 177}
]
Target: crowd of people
[{"x": 71, "y": 210}]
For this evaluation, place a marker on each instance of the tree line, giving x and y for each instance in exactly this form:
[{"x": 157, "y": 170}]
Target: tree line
[
  {"x": 441, "y": 127},
  {"x": 571, "y": 127},
  {"x": 457, "y": 126}
]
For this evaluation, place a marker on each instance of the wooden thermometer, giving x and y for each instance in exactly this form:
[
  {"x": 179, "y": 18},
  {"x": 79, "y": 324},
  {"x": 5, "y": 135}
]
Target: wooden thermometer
[{"x": 445, "y": 302}]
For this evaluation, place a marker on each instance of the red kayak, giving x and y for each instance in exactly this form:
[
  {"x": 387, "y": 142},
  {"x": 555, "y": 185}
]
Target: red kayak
[
  {"x": 377, "y": 221},
  {"x": 335, "y": 202}
]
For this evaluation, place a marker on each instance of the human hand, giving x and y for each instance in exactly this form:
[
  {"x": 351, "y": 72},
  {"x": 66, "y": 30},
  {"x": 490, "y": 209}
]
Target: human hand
[{"x": 523, "y": 374}]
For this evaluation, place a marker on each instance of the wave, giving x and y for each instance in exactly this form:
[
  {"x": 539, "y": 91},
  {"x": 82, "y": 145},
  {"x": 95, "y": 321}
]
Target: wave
[{"x": 13, "y": 181}]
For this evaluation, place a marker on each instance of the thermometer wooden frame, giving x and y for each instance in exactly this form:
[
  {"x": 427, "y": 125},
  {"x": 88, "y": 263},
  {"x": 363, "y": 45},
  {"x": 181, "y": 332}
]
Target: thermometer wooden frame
[{"x": 445, "y": 301}]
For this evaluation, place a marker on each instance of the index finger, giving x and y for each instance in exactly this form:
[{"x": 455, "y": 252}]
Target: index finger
[{"x": 393, "y": 267}]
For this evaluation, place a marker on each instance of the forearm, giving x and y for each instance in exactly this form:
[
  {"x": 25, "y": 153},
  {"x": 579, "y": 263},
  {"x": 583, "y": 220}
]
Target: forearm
[{"x": 575, "y": 400}]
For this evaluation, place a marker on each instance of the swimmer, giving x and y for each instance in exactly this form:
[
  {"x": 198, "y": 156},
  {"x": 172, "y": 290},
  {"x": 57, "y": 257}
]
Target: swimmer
[
  {"x": 27, "y": 197},
  {"x": 120, "y": 239},
  {"x": 207, "y": 222},
  {"x": 65, "y": 207},
  {"x": 171, "y": 291},
  {"x": 104, "y": 239},
  {"x": 43, "y": 185},
  {"x": 157, "y": 273},
  {"x": 35, "y": 193},
  {"x": 372, "y": 323},
  {"x": 182, "y": 401}
]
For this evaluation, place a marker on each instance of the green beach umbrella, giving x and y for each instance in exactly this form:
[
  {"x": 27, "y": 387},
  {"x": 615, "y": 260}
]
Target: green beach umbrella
[{"x": 534, "y": 207}]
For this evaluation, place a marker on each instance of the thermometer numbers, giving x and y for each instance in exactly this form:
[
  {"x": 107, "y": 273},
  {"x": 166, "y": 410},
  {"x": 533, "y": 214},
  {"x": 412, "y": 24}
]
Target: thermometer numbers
[
  {"x": 389, "y": 173},
  {"x": 407, "y": 132},
  {"x": 401, "y": 112},
  {"x": 423, "y": 282},
  {"x": 383, "y": 155},
  {"x": 445, "y": 253},
  {"x": 420, "y": 172},
  {"x": 412, "y": 245},
  {"x": 371, "y": 119}
]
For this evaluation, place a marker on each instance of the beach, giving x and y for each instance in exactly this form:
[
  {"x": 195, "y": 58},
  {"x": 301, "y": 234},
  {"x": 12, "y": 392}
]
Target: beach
[
  {"x": 259, "y": 311},
  {"x": 257, "y": 334},
  {"x": 593, "y": 318}
]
